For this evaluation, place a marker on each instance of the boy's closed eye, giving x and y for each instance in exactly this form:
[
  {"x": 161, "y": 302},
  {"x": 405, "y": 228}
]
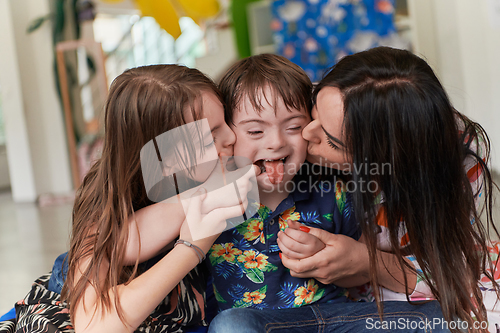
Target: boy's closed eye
[
  {"x": 255, "y": 133},
  {"x": 295, "y": 128}
]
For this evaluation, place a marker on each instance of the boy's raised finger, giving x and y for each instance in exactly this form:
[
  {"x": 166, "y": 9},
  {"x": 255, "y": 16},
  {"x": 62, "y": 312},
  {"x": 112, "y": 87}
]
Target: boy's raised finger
[{"x": 289, "y": 253}]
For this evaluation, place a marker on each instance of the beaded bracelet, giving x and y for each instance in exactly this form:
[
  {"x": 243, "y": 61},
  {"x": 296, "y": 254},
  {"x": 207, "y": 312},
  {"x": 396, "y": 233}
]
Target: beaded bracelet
[{"x": 199, "y": 252}]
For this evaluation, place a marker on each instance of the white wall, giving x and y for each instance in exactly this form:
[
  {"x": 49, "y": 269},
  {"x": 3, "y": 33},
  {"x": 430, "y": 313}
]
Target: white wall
[
  {"x": 42, "y": 109},
  {"x": 462, "y": 44},
  {"x": 222, "y": 57},
  {"x": 18, "y": 150}
]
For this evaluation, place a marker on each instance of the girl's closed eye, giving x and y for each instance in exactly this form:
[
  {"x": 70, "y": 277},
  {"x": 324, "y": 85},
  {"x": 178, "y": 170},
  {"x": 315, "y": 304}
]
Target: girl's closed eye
[{"x": 211, "y": 143}]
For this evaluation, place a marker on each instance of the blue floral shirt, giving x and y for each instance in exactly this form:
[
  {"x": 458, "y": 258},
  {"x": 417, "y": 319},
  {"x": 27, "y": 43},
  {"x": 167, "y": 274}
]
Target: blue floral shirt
[{"x": 245, "y": 264}]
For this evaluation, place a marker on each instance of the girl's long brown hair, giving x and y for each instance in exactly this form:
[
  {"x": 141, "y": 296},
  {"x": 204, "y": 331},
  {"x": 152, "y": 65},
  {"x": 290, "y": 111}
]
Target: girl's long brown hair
[
  {"x": 397, "y": 112},
  {"x": 143, "y": 103}
]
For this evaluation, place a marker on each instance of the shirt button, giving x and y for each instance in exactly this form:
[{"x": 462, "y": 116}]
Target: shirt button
[{"x": 272, "y": 222}]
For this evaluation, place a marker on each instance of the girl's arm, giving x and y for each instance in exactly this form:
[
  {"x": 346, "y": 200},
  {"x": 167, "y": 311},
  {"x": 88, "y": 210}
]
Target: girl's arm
[
  {"x": 138, "y": 298},
  {"x": 141, "y": 296},
  {"x": 153, "y": 228}
]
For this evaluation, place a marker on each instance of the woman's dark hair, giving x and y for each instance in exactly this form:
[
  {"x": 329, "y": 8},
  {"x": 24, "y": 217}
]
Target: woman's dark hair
[{"x": 397, "y": 112}]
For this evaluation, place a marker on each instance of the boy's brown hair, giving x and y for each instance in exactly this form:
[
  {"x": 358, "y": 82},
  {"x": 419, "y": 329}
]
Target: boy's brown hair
[{"x": 249, "y": 76}]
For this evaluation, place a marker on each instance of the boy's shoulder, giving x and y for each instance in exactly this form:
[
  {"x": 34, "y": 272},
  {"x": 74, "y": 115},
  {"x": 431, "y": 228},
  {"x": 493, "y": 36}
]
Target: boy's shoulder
[
  {"x": 320, "y": 187},
  {"x": 318, "y": 182}
]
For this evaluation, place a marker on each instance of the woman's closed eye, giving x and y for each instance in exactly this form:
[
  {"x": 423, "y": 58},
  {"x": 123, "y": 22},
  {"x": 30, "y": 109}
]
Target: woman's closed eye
[{"x": 331, "y": 144}]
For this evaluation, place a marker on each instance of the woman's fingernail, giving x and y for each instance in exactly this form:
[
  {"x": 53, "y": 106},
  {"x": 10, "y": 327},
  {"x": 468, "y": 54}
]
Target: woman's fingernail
[
  {"x": 304, "y": 228},
  {"x": 280, "y": 256}
]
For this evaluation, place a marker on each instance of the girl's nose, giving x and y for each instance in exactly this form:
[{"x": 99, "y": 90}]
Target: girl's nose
[{"x": 229, "y": 138}]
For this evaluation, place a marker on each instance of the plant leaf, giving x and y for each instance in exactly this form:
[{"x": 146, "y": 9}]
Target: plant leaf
[
  {"x": 254, "y": 275},
  {"x": 37, "y": 23}
]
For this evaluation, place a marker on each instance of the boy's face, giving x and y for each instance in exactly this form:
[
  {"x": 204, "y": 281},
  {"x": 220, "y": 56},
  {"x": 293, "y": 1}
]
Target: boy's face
[{"x": 272, "y": 140}]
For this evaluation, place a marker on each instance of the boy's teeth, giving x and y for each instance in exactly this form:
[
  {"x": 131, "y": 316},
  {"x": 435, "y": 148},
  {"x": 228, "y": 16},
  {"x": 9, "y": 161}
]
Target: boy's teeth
[{"x": 272, "y": 163}]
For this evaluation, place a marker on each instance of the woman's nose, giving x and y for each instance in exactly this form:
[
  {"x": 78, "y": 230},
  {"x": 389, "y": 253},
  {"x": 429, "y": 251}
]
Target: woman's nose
[{"x": 310, "y": 132}]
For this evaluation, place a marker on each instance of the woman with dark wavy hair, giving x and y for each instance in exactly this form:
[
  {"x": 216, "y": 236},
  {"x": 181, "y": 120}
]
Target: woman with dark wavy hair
[{"x": 415, "y": 169}]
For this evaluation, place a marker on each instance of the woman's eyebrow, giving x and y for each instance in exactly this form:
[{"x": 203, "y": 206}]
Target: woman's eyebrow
[{"x": 331, "y": 137}]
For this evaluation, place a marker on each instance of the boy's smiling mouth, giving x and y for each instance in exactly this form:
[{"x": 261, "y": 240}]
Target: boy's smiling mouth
[{"x": 274, "y": 169}]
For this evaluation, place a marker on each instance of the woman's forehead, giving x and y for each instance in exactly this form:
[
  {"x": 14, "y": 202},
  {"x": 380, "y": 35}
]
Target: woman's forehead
[{"x": 330, "y": 105}]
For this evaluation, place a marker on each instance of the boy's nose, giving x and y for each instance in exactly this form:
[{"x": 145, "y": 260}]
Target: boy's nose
[
  {"x": 311, "y": 131},
  {"x": 276, "y": 141}
]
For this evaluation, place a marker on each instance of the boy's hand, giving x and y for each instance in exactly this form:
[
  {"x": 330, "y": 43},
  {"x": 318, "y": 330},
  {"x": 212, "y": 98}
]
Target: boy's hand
[{"x": 297, "y": 243}]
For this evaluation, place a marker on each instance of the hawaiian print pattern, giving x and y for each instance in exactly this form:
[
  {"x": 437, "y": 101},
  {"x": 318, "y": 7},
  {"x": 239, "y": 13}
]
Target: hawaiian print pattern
[
  {"x": 245, "y": 263},
  {"x": 250, "y": 263},
  {"x": 307, "y": 294}
]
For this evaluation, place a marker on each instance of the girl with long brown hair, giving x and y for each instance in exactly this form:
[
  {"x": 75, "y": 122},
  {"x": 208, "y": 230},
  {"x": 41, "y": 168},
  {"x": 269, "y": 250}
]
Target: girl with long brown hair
[{"x": 116, "y": 225}]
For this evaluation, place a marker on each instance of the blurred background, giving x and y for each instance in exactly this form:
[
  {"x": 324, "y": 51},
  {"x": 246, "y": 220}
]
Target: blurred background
[{"x": 58, "y": 57}]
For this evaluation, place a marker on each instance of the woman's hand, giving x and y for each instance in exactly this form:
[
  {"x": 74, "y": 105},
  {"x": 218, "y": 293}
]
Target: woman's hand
[
  {"x": 342, "y": 261},
  {"x": 297, "y": 243},
  {"x": 345, "y": 262}
]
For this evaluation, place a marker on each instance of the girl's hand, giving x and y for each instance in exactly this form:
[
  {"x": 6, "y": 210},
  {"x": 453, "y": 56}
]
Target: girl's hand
[
  {"x": 229, "y": 188},
  {"x": 203, "y": 229},
  {"x": 343, "y": 261},
  {"x": 297, "y": 243},
  {"x": 196, "y": 221}
]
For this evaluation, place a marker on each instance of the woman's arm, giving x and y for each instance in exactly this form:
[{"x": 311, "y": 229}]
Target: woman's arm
[{"x": 344, "y": 261}]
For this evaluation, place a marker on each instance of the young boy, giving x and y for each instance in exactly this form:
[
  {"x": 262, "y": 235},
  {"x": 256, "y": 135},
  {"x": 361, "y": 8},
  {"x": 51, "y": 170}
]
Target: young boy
[{"x": 268, "y": 103}]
